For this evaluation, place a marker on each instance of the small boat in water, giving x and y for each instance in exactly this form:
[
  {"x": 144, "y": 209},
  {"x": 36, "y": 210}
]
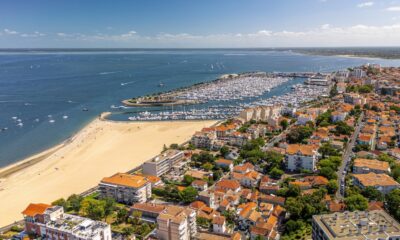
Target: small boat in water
[
  {"x": 161, "y": 84},
  {"x": 65, "y": 117},
  {"x": 85, "y": 109},
  {"x": 52, "y": 121}
]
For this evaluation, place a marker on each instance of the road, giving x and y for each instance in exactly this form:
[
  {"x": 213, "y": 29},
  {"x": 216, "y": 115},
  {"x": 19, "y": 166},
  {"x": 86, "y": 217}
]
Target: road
[{"x": 346, "y": 159}]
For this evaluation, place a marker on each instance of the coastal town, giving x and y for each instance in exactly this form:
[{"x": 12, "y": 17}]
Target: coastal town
[{"x": 320, "y": 162}]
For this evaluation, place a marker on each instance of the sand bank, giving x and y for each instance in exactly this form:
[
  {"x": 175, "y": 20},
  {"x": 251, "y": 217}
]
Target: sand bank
[{"x": 100, "y": 149}]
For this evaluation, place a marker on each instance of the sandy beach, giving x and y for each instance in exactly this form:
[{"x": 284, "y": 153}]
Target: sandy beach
[{"x": 100, "y": 149}]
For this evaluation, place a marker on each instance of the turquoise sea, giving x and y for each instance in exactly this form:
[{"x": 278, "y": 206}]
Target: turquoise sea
[{"x": 43, "y": 92}]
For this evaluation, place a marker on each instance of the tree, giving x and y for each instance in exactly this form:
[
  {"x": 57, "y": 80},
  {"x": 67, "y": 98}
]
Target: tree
[
  {"x": 136, "y": 217},
  {"x": 356, "y": 202},
  {"x": 187, "y": 179},
  {"x": 122, "y": 215},
  {"x": 276, "y": 173},
  {"x": 109, "y": 206},
  {"x": 343, "y": 129},
  {"x": 328, "y": 172},
  {"x": 93, "y": 208},
  {"x": 224, "y": 150},
  {"x": 207, "y": 166},
  {"x": 174, "y": 146},
  {"x": 274, "y": 159},
  {"x": 328, "y": 150},
  {"x": 284, "y": 124},
  {"x": 332, "y": 186},
  {"x": 203, "y": 222},
  {"x": 333, "y": 91},
  {"x": 188, "y": 195},
  {"x": 299, "y": 134},
  {"x": 294, "y": 207},
  {"x": 372, "y": 194},
  {"x": 293, "y": 226},
  {"x": 74, "y": 202},
  {"x": 393, "y": 203},
  {"x": 128, "y": 231},
  {"x": 60, "y": 202}
]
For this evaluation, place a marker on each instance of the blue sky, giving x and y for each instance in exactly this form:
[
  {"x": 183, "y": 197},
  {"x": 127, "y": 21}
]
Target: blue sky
[{"x": 199, "y": 23}]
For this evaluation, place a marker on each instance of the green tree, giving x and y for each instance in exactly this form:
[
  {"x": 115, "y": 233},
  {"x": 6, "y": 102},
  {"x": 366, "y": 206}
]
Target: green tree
[
  {"x": 60, "y": 202},
  {"x": 284, "y": 124},
  {"x": 328, "y": 150},
  {"x": 343, "y": 128},
  {"x": 294, "y": 207},
  {"x": 93, "y": 208},
  {"x": 207, "y": 166},
  {"x": 109, "y": 206},
  {"x": 356, "y": 202},
  {"x": 276, "y": 173},
  {"x": 187, "y": 179},
  {"x": 224, "y": 150},
  {"x": 274, "y": 159},
  {"x": 136, "y": 217},
  {"x": 299, "y": 134},
  {"x": 393, "y": 203},
  {"x": 74, "y": 202},
  {"x": 188, "y": 195},
  {"x": 122, "y": 215},
  {"x": 328, "y": 172},
  {"x": 332, "y": 186},
  {"x": 372, "y": 194},
  {"x": 128, "y": 231}
]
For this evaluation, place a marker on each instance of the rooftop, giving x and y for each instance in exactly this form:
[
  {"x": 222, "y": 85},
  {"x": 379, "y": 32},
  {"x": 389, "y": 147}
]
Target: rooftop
[
  {"x": 358, "y": 225},
  {"x": 372, "y": 164},
  {"x": 373, "y": 179},
  {"x": 124, "y": 179}
]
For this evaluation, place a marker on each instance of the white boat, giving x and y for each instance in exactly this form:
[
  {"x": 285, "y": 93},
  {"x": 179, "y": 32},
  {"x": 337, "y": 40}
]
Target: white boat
[{"x": 51, "y": 121}]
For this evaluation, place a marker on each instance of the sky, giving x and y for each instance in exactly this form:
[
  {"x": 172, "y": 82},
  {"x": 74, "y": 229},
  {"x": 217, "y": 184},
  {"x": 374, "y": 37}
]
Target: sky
[{"x": 198, "y": 23}]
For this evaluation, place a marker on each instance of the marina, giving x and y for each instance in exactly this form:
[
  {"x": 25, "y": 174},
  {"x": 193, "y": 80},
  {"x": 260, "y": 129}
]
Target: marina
[{"x": 227, "y": 98}]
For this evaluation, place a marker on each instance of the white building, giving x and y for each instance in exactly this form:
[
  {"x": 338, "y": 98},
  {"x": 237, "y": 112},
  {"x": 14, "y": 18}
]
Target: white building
[
  {"x": 219, "y": 224},
  {"x": 300, "y": 157},
  {"x": 176, "y": 223},
  {"x": 162, "y": 163},
  {"x": 126, "y": 188},
  {"x": 50, "y": 222}
]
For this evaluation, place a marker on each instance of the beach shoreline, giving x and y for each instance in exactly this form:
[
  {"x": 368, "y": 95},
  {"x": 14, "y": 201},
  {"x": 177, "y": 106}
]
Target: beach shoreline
[{"x": 98, "y": 150}]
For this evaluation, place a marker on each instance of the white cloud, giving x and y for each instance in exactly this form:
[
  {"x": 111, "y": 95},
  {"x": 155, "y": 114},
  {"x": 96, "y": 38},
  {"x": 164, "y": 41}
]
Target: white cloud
[
  {"x": 34, "y": 34},
  {"x": 365, "y": 4},
  {"x": 393, "y": 9},
  {"x": 10, "y": 32}
]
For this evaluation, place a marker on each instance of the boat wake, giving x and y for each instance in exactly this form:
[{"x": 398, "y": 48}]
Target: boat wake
[
  {"x": 126, "y": 83},
  {"x": 107, "y": 73}
]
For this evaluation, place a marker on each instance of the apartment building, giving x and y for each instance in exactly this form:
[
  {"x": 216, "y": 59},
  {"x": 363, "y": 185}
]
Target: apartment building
[
  {"x": 162, "y": 163},
  {"x": 126, "y": 188},
  {"x": 176, "y": 223},
  {"x": 300, "y": 156},
  {"x": 50, "y": 222},
  {"x": 375, "y": 224},
  {"x": 382, "y": 182},
  {"x": 362, "y": 165}
]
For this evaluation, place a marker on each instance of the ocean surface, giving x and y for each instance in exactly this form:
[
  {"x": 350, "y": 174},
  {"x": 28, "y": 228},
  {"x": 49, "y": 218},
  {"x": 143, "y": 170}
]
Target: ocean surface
[{"x": 43, "y": 93}]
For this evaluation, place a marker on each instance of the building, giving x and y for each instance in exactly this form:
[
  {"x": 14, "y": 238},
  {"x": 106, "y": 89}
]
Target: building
[
  {"x": 126, "y": 188},
  {"x": 219, "y": 224},
  {"x": 226, "y": 185},
  {"x": 224, "y": 163},
  {"x": 50, "y": 222},
  {"x": 204, "y": 139},
  {"x": 176, "y": 223},
  {"x": 300, "y": 157},
  {"x": 148, "y": 210},
  {"x": 358, "y": 73},
  {"x": 362, "y": 165},
  {"x": 381, "y": 182},
  {"x": 338, "y": 116},
  {"x": 162, "y": 163},
  {"x": 356, "y": 225}
]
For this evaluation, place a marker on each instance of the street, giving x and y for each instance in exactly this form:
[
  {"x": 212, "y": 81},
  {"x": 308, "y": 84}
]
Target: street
[{"x": 344, "y": 168}]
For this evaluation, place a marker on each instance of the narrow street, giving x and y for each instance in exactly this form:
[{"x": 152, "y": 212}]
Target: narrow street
[{"x": 346, "y": 159}]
